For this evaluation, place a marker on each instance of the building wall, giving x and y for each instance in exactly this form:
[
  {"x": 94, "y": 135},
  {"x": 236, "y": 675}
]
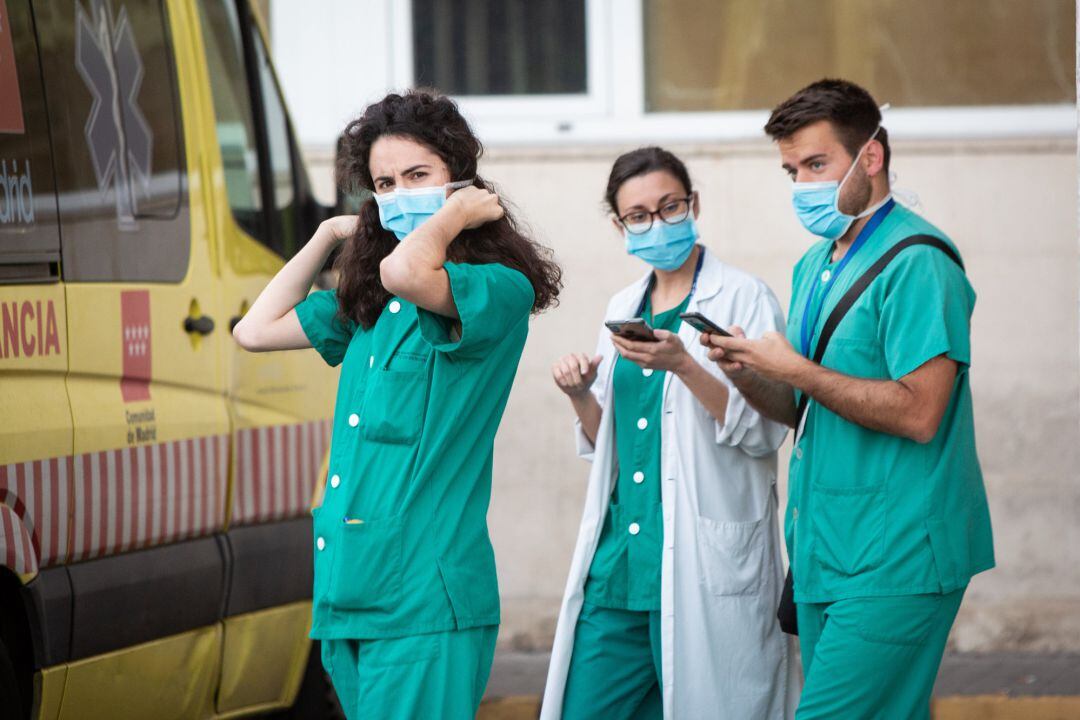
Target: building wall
[{"x": 1010, "y": 206}]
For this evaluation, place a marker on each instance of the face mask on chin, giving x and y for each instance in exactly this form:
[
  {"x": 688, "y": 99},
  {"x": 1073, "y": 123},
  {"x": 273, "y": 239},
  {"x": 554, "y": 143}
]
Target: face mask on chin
[{"x": 817, "y": 204}]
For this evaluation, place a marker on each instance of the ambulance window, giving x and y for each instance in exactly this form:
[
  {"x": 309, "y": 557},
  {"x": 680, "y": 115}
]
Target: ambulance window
[
  {"x": 232, "y": 111},
  {"x": 281, "y": 168},
  {"x": 110, "y": 86},
  {"x": 29, "y": 238}
]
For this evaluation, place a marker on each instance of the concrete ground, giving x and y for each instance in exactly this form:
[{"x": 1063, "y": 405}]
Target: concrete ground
[{"x": 993, "y": 686}]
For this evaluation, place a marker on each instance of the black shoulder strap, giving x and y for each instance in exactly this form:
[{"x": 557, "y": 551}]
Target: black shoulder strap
[{"x": 857, "y": 289}]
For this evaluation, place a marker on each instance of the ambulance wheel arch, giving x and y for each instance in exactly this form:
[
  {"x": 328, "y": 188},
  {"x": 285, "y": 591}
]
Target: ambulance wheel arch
[{"x": 16, "y": 649}]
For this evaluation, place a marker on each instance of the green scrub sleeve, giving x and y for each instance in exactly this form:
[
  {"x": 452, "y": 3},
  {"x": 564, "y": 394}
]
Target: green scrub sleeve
[
  {"x": 491, "y": 301},
  {"x": 926, "y": 311},
  {"x": 327, "y": 331}
]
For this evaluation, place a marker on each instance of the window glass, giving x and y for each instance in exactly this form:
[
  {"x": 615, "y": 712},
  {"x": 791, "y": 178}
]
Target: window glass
[
  {"x": 280, "y": 150},
  {"x": 232, "y": 112},
  {"x": 110, "y": 86},
  {"x": 29, "y": 238},
  {"x": 500, "y": 47},
  {"x": 751, "y": 54}
]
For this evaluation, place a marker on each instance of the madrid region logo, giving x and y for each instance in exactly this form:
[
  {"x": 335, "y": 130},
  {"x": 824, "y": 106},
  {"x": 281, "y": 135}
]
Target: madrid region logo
[{"x": 118, "y": 136}]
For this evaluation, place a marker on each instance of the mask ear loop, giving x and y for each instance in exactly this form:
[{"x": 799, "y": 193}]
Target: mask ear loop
[
  {"x": 905, "y": 196},
  {"x": 458, "y": 185},
  {"x": 840, "y": 186}
]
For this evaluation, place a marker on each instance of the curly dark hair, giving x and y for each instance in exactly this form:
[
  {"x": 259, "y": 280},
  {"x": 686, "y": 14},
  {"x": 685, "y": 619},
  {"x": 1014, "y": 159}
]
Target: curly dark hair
[{"x": 434, "y": 121}]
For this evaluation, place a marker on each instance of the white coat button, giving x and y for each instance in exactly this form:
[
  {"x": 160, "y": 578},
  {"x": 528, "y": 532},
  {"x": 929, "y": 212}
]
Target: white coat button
[
  {"x": 321, "y": 544},
  {"x": 395, "y": 307},
  {"x": 354, "y": 420},
  {"x": 825, "y": 275},
  {"x": 371, "y": 361},
  {"x": 634, "y": 528},
  {"x": 647, "y": 372},
  {"x": 642, "y": 423},
  {"x": 639, "y": 477},
  {"x": 335, "y": 481},
  {"x": 798, "y": 453}
]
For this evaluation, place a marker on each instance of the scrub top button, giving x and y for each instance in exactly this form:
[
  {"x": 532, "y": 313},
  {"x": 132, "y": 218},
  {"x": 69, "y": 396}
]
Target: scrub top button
[
  {"x": 642, "y": 423},
  {"x": 371, "y": 361},
  {"x": 798, "y": 453},
  {"x": 639, "y": 477},
  {"x": 647, "y": 372},
  {"x": 826, "y": 275},
  {"x": 634, "y": 528},
  {"x": 354, "y": 420},
  {"x": 395, "y": 307},
  {"x": 321, "y": 544},
  {"x": 335, "y": 481}
]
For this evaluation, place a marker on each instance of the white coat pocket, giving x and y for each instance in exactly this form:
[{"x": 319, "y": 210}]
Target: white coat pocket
[{"x": 731, "y": 555}]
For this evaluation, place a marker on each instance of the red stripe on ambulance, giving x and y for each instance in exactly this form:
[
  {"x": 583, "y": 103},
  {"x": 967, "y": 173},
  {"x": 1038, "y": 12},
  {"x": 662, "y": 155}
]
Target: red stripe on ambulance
[
  {"x": 276, "y": 469},
  {"x": 124, "y": 499}
]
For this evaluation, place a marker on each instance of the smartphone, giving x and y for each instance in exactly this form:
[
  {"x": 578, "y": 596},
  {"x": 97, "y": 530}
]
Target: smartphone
[
  {"x": 632, "y": 329},
  {"x": 703, "y": 324}
]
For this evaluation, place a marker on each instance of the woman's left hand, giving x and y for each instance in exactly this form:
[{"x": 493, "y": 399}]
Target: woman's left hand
[{"x": 667, "y": 353}]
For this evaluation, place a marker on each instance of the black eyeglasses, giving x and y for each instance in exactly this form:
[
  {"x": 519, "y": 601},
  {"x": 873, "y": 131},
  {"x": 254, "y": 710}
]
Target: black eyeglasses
[{"x": 638, "y": 222}]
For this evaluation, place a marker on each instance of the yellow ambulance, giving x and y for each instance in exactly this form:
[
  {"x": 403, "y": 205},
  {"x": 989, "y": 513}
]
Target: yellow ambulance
[{"x": 155, "y": 480}]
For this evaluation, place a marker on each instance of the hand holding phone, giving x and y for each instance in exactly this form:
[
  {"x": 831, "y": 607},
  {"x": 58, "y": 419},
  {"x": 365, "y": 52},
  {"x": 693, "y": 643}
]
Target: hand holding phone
[
  {"x": 703, "y": 324},
  {"x": 632, "y": 329}
]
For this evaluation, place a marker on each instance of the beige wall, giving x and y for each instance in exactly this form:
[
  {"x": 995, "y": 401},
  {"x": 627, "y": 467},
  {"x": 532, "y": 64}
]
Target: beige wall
[{"x": 1010, "y": 206}]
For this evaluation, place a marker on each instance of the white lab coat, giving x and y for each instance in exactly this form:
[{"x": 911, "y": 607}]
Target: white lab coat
[{"x": 723, "y": 654}]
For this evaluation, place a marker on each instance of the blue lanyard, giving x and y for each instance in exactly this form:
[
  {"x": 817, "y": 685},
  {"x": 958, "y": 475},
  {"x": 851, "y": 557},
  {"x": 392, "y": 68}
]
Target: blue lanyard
[
  {"x": 652, "y": 282},
  {"x": 808, "y": 325}
]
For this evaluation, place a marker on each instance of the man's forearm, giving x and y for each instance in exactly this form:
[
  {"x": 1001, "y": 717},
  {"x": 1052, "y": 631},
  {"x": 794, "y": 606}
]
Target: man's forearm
[
  {"x": 775, "y": 400},
  {"x": 882, "y": 405}
]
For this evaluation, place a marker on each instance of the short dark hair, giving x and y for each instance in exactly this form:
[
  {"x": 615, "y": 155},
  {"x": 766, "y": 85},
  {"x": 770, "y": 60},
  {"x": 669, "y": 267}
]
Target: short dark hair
[
  {"x": 641, "y": 162},
  {"x": 849, "y": 108}
]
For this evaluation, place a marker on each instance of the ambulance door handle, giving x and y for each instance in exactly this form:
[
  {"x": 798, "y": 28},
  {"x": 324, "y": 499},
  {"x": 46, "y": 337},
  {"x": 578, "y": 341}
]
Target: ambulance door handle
[{"x": 203, "y": 325}]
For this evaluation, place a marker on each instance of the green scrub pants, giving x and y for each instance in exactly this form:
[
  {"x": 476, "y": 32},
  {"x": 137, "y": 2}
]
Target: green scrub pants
[
  {"x": 439, "y": 675},
  {"x": 874, "y": 657},
  {"x": 615, "y": 666}
]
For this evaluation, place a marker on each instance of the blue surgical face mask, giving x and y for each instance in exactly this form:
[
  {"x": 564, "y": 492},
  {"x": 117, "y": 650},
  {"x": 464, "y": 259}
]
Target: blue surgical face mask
[
  {"x": 403, "y": 210},
  {"x": 664, "y": 246},
  {"x": 817, "y": 204}
]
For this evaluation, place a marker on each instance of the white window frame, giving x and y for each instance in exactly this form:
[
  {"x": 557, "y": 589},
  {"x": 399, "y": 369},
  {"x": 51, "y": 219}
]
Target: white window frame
[
  {"x": 594, "y": 102},
  {"x": 613, "y": 109}
]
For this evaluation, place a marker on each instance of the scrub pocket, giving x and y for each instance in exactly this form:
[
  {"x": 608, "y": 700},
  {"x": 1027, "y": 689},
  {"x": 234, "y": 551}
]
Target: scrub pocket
[
  {"x": 902, "y": 620},
  {"x": 367, "y": 565},
  {"x": 394, "y": 407},
  {"x": 406, "y": 650},
  {"x": 849, "y": 527},
  {"x": 731, "y": 555}
]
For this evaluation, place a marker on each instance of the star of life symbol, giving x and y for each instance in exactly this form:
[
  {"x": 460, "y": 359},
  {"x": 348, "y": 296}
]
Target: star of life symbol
[{"x": 117, "y": 134}]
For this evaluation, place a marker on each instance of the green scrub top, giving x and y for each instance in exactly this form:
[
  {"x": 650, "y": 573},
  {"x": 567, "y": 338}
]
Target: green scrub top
[
  {"x": 871, "y": 514},
  {"x": 401, "y": 543},
  {"x": 625, "y": 572}
]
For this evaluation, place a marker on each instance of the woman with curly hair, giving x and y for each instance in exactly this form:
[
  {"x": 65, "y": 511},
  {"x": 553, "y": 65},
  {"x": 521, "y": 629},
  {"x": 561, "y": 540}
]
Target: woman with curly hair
[{"x": 436, "y": 286}]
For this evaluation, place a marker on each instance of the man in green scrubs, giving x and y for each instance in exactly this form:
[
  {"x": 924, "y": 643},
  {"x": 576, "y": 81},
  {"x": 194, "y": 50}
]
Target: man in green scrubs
[
  {"x": 887, "y": 519},
  {"x": 615, "y": 668},
  {"x": 405, "y": 583}
]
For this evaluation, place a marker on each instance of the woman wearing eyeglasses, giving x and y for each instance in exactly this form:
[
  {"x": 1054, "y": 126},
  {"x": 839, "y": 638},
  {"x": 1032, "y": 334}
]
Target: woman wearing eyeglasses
[{"x": 670, "y": 607}]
